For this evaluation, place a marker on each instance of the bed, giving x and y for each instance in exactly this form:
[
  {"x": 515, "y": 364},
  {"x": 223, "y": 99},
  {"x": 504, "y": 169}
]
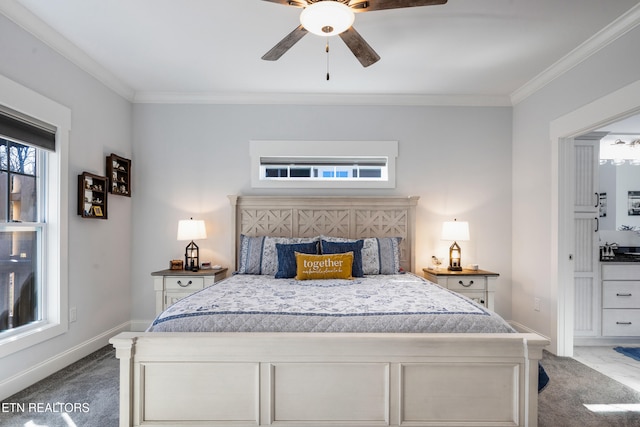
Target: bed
[{"x": 315, "y": 357}]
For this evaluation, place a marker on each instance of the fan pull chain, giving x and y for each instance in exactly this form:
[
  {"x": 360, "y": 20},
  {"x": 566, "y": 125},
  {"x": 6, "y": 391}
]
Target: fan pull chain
[{"x": 327, "y": 50}]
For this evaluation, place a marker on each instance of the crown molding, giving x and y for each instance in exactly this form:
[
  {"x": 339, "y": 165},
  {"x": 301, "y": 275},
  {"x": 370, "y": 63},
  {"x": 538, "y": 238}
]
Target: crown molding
[
  {"x": 320, "y": 99},
  {"x": 598, "y": 41},
  {"x": 47, "y": 35},
  {"x": 43, "y": 32}
]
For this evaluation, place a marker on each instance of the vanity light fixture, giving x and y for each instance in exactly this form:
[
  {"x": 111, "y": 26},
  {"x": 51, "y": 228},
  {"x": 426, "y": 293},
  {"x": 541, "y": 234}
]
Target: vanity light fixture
[
  {"x": 191, "y": 229},
  {"x": 456, "y": 231},
  {"x": 620, "y": 151}
]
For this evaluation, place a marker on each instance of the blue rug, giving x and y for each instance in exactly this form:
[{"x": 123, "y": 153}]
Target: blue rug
[{"x": 632, "y": 352}]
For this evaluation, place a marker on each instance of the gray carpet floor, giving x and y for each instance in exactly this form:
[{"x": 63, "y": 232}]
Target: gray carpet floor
[
  {"x": 84, "y": 394},
  {"x": 572, "y": 385},
  {"x": 90, "y": 386}
]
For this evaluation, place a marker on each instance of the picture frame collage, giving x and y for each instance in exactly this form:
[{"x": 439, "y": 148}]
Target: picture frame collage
[{"x": 93, "y": 189}]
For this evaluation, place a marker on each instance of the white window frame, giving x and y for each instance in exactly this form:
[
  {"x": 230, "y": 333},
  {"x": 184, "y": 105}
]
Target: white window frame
[
  {"x": 318, "y": 167},
  {"x": 55, "y": 271},
  {"x": 321, "y": 150}
]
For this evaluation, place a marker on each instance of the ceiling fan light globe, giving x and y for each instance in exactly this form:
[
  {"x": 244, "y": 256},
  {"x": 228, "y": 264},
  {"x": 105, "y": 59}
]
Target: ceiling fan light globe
[{"x": 327, "y": 18}]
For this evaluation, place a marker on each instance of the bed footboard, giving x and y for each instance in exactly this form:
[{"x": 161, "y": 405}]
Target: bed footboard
[{"x": 280, "y": 379}]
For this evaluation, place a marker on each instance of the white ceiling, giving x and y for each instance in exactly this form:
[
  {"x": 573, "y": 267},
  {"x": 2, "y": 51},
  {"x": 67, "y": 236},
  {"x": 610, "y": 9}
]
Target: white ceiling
[{"x": 484, "y": 50}]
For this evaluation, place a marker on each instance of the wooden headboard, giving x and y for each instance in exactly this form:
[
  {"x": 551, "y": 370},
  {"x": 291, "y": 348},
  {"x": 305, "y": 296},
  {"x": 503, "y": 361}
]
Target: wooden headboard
[{"x": 351, "y": 217}]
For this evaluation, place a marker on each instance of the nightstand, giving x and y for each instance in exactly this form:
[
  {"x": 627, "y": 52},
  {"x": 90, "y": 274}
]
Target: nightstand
[
  {"x": 479, "y": 285},
  {"x": 173, "y": 285}
]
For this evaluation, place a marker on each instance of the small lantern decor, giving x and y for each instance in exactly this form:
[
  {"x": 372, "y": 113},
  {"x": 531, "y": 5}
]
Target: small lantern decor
[
  {"x": 190, "y": 229},
  {"x": 454, "y": 257},
  {"x": 455, "y": 230}
]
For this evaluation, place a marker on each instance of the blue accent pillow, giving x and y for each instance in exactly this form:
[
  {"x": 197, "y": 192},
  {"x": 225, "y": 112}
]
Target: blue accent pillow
[
  {"x": 287, "y": 258},
  {"x": 343, "y": 247}
]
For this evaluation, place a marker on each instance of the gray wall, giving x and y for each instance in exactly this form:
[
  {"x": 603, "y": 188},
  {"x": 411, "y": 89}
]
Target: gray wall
[
  {"x": 535, "y": 174},
  {"x": 190, "y": 157},
  {"x": 99, "y": 251}
]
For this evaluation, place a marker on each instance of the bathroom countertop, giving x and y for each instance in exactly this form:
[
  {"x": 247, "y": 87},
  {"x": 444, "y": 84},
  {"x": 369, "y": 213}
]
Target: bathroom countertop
[{"x": 622, "y": 259}]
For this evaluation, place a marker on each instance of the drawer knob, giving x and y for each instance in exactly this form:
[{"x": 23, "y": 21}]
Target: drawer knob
[
  {"x": 184, "y": 286},
  {"x": 623, "y": 295},
  {"x": 623, "y": 323},
  {"x": 460, "y": 282}
]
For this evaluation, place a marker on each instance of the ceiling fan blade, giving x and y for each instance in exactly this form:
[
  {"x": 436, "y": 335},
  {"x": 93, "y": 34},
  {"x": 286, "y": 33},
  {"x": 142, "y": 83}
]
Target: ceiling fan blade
[
  {"x": 360, "y": 48},
  {"x": 285, "y": 44},
  {"x": 371, "y": 5},
  {"x": 295, "y": 3}
]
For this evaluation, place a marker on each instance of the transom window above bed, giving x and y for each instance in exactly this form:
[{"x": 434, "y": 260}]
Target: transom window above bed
[
  {"x": 323, "y": 164},
  {"x": 331, "y": 168}
]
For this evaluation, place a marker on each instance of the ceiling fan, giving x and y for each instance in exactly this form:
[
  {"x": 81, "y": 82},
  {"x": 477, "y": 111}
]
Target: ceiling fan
[{"x": 335, "y": 17}]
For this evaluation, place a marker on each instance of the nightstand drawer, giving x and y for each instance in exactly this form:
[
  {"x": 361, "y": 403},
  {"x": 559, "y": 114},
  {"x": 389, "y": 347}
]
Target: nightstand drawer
[
  {"x": 173, "y": 297},
  {"x": 479, "y": 285},
  {"x": 479, "y": 297},
  {"x": 184, "y": 283},
  {"x": 172, "y": 285},
  {"x": 621, "y": 322},
  {"x": 467, "y": 283}
]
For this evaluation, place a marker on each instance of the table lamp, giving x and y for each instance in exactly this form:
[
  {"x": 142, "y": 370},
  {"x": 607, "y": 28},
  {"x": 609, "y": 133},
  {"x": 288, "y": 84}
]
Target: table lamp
[
  {"x": 191, "y": 229},
  {"x": 456, "y": 231}
]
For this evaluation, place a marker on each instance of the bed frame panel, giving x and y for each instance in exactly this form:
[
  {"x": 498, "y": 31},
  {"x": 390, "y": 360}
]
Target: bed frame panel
[{"x": 328, "y": 379}]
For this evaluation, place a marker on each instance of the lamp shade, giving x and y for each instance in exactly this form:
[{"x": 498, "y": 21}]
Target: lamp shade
[
  {"x": 455, "y": 230},
  {"x": 327, "y": 18},
  {"x": 191, "y": 229}
]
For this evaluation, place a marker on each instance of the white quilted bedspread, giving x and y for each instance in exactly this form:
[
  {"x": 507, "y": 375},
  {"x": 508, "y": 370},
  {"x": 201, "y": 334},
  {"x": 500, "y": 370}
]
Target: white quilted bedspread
[{"x": 393, "y": 303}]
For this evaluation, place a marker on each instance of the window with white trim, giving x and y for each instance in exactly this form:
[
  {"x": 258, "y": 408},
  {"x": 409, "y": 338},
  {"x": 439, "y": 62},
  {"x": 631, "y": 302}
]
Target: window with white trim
[
  {"x": 33, "y": 217},
  {"x": 329, "y": 168},
  {"x": 21, "y": 231},
  {"x": 323, "y": 164}
]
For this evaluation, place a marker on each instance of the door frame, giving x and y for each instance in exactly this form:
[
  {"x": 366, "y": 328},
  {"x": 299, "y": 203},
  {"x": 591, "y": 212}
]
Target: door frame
[{"x": 608, "y": 109}]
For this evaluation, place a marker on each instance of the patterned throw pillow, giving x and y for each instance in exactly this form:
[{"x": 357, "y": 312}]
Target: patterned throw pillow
[
  {"x": 250, "y": 254},
  {"x": 380, "y": 255},
  {"x": 328, "y": 248},
  {"x": 258, "y": 254},
  {"x": 336, "y": 266},
  {"x": 287, "y": 257}
]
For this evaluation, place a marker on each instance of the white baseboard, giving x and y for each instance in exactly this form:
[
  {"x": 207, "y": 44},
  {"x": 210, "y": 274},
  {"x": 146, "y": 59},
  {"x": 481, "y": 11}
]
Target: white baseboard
[
  {"x": 604, "y": 341},
  {"x": 36, "y": 373}
]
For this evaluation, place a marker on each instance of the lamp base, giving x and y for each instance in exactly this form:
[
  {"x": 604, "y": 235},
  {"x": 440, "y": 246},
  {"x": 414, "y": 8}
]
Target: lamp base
[
  {"x": 191, "y": 257},
  {"x": 454, "y": 268}
]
